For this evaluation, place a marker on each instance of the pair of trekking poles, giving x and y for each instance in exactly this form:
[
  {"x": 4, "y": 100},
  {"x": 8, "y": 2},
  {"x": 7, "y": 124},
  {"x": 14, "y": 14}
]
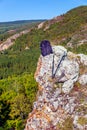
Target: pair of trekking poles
[{"x": 58, "y": 66}]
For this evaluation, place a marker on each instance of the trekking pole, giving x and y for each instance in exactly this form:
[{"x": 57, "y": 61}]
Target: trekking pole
[{"x": 62, "y": 58}]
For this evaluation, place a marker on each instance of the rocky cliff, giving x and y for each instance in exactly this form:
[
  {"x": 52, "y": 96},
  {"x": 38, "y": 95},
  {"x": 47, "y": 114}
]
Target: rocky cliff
[
  {"x": 61, "y": 102},
  {"x": 10, "y": 41}
]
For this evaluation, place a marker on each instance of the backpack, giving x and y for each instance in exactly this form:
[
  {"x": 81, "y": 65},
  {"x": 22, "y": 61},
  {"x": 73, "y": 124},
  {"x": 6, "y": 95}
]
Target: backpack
[{"x": 46, "y": 49}]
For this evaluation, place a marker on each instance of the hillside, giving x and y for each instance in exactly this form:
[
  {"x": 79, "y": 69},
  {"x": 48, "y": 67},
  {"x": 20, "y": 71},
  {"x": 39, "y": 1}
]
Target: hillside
[
  {"x": 9, "y": 28},
  {"x": 69, "y": 29},
  {"x": 18, "y": 63}
]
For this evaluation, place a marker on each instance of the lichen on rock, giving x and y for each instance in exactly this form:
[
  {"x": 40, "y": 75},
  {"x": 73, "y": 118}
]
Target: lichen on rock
[{"x": 57, "y": 99}]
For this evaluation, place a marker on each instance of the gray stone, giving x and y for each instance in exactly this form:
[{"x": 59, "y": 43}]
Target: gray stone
[
  {"x": 67, "y": 86},
  {"x": 83, "y": 59},
  {"x": 83, "y": 79}
]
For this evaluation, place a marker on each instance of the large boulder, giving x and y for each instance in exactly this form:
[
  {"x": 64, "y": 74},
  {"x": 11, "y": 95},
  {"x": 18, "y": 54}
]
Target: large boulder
[
  {"x": 60, "y": 100},
  {"x": 68, "y": 69}
]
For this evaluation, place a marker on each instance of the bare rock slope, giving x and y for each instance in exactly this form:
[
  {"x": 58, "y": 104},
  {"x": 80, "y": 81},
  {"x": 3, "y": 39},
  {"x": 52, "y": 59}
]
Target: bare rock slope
[{"x": 10, "y": 41}]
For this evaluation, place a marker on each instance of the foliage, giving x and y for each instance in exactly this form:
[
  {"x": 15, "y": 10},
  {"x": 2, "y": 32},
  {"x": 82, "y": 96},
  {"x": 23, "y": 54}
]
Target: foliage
[
  {"x": 73, "y": 22},
  {"x": 82, "y": 120},
  {"x": 9, "y": 28},
  {"x": 80, "y": 49},
  {"x": 18, "y": 95},
  {"x": 67, "y": 124},
  {"x": 4, "y": 111}
]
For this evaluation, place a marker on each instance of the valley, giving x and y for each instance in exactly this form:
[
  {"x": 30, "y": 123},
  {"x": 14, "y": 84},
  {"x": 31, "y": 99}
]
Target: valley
[{"x": 19, "y": 53}]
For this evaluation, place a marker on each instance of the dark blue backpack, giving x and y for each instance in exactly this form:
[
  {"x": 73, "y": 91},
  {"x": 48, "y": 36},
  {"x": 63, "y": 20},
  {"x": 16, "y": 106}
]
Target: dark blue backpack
[{"x": 46, "y": 48}]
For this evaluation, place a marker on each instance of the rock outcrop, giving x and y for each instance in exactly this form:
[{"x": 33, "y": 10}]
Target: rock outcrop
[
  {"x": 10, "y": 41},
  {"x": 46, "y": 25},
  {"x": 61, "y": 101}
]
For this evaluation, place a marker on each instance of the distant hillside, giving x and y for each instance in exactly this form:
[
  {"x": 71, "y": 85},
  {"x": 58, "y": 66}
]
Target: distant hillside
[
  {"x": 69, "y": 29},
  {"x": 22, "y": 21},
  {"x": 9, "y": 28}
]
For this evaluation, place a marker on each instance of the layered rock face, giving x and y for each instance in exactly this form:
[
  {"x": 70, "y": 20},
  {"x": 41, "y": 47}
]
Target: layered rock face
[
  {"x": 10, "y": 41},
  {"x": 61, "y": 102}
]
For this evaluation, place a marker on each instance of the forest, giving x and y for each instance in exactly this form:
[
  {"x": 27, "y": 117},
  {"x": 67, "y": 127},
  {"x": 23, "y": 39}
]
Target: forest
[{"x": 9, "y": 28}]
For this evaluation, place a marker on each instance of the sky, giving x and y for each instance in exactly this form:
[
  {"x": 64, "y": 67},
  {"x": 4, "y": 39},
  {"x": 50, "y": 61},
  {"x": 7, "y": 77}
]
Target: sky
[{"x": 12, "y": 10}]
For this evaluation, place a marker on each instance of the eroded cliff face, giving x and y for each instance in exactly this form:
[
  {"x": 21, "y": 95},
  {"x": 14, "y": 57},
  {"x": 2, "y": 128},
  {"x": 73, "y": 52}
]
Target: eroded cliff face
[
  {"x": 10, "y": 41},
  {"x": 61, "y": 102}
]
